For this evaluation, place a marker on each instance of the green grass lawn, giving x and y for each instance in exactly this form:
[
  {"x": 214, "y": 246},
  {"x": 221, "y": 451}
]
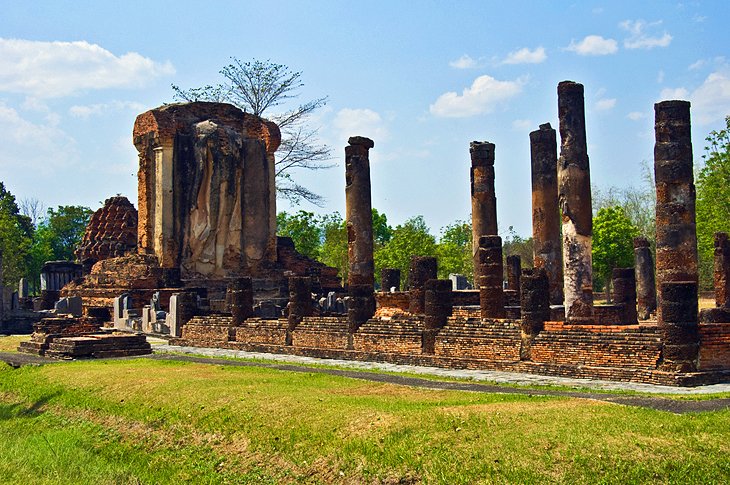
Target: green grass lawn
[{"x": 144, "y": 421}]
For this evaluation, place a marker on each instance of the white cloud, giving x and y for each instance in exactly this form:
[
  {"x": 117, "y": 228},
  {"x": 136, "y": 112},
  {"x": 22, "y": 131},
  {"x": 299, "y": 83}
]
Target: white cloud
[
  {"x": 360, "y": 122},
  {"x": 593, "y": 45},
  {"x": 55, "y": 69},
  {"x": 639, "y": 39},
  {"x": 711, "y": 101},
  {"x": 697, "y": 64},
  {"x": 674, "y": 93},
  {"x": 660, "y": 76},
  {"x": 605, "y": 104},
  {"x": 85, "y": 111},
  {"x": 465, "y": 62},
  {"x": 636, "y": 115},
  {"x": 482, "y": 96},
  {"x": 699, "y": 18},
  {"x": 34, "y": 146},
  {"x": 526, "y": 56},
  {"x": 522, "y": 124}
]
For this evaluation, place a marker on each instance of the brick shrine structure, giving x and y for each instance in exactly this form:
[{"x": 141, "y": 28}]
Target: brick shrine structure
[{"x": 415, "y": 327}]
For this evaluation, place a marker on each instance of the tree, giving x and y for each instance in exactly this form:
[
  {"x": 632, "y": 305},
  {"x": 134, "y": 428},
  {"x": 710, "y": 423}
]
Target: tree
[
  {"x": 334, "y": 244},
  {"x": 412, "y": 238},
  {"x": 454, "y": 250},
  {"x": 613, "y": 234},
  {"x": 16, "y": 232},
  {"x": 713, "y": 198},
  {"x": 257, "y": 87},
  {"x": 304, "y": 229},
  {"x": 514, "y": 244}
]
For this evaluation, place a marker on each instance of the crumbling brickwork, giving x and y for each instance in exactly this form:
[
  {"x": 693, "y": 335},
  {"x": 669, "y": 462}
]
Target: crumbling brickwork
[
  {"x": 111, "y": 232},
  {"x": 722, "y": 270},
  {"x": 644, "y": 274},
  {"x": 489, "y": 262},
  {"x": 483, "y": 198},
  {"x": 422, "y": 269}
]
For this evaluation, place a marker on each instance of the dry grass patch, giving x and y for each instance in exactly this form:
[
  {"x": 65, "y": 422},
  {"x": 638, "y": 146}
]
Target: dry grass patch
[{"x": 9, "y": 343}]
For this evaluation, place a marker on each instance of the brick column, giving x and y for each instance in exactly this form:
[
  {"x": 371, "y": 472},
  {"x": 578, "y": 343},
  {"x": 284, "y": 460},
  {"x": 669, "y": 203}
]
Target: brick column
[
  {"x": 676, "y": 236},
  {"x": 624, "y": 292},
  {"x": 361, "y": 307},
  {"x": 300, "y": 303},
  {"x": 389, "y": 278},
  {"x": 514, "y": 268},
  {"x": 438, "y": 308},
  {"x": 534, "y": 306},
  {"x": 358, "y": 212},
  {"x": 483, "y": 199},
  {"x": 644, "y": 274},
  {"x": 239, "y": 299},
  {"x": 545, "y": 212},
  {"x": 422, "y": 269},
  {"x": 574, "y": 196},
  {"x": 491, "y": 293},
  {"x": 722, "y": 270},
  {"x": 678, "y": 326}
]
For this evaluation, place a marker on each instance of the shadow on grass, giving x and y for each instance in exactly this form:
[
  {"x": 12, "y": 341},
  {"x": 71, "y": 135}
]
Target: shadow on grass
[{"x": 16, "y": 410}]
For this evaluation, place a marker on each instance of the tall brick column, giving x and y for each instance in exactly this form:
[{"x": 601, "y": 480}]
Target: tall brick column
[
  {"x": 676, "y": 236},
  {"x": 678, "y": 327},
  {"x": 574, "y": 196},
  {"x": 534, "y": 306},
  {"x": 358, "y": 212},
  {"x": 361, "y": 307},
  {"x": 300, "y": 303},
  {"x": 422, "y": 269},
  {"x": 722, "y": 270},
  {"x": 483, "y": 199},
  {"x": 624, "y": 292},
  {"x": 438, "y": 308},
  {"x": 239, "y": 298},
  {"x": 514, "y": 268},
  {"x": 545, "y": 212},
  {"x": 489, "y": 264},
  {"x": 644, "y": 274},
  {"x": 389, "y": 278}
]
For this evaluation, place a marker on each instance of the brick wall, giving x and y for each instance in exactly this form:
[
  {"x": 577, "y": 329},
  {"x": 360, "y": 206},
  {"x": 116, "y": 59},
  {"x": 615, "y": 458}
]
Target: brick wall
[
  {"x": 260, "y": 331},
  {"x": 714, "y": 346},
  {"x": 397, "y": 335},
  {"x": 321, "y": 333},
  {"x": 496, "y": 340}
]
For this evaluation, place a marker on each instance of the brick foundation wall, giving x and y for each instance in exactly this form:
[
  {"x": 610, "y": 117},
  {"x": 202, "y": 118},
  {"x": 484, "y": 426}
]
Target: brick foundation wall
[
  {"x": 400, "y": 336},
  {"x": 714, "y": 346},
  {"x": 496, "y": 340},
  {"x": 321, "y": 333},
  {"x": 260, "y": 331}
]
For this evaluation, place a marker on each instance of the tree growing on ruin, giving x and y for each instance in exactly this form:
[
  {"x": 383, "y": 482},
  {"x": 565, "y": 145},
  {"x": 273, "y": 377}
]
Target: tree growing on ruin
[
  {"x": 713, "y": 198},
  {"x": 613, "y": 235},
  {"x": 262, "y": 88},
  {"x": 412, "y": 238},
  {"x": 304, "y": 230},
  {"x": 454, "y": 250}
]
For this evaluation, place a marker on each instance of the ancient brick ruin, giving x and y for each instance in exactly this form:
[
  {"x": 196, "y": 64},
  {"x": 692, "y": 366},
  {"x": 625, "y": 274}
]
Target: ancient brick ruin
[{"x": 209, "y": 271}]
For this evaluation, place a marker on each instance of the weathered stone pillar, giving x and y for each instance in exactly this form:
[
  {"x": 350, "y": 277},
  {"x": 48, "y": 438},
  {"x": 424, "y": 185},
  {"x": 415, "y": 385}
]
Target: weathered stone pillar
[
  {"x": 187, "y": 307},
  {"x": 361, "y": 307},
  {"x": 438, "y": 303},
  {"x": 483, "y": 199},
  {"x": 239, "y": 298},
  {"x": 624, "y": 292},
  {"x": 722, "y": 270},
  {"x": 422, "y": 269},
  {"x": 676, "y": 236},
  {"x": 358, "y": 212},
  {"x": 491, "y": 291},
  {"x": 514, "y": 268},
  {"x": 545, "y": 212},
  {"x": 574, "y": 196},
  {"x": 644, "y": 274},
  {"x": 300, "y": 303},
  {"x": 390, "y": 278},
  {"x": 678, "y": 325},
  {"x": 534, "y": 306}
]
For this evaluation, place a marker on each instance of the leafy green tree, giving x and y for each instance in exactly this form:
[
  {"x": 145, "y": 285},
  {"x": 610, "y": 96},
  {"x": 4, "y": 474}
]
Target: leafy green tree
[
  {"x": 16, "y": 232},
  {"x": 412, "y": 238},
  {"x": 334, "y": 244},
  {"x": 713, "y": 198},
  {"x": 382, "y": 232},
  {"x": 454, "y": 250},
  {"x": 258, "y": 87},
  {"x": 304, "y": 229},
  {"x": 613, "y": 234}
]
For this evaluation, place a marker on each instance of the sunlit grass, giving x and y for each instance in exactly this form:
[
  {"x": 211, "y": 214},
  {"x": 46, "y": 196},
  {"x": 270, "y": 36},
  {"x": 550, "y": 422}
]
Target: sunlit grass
[{"x": 164, "y": 422}]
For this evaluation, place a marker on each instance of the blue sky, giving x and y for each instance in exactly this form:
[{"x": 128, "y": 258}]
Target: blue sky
[{"x": 422, "y": 79}]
